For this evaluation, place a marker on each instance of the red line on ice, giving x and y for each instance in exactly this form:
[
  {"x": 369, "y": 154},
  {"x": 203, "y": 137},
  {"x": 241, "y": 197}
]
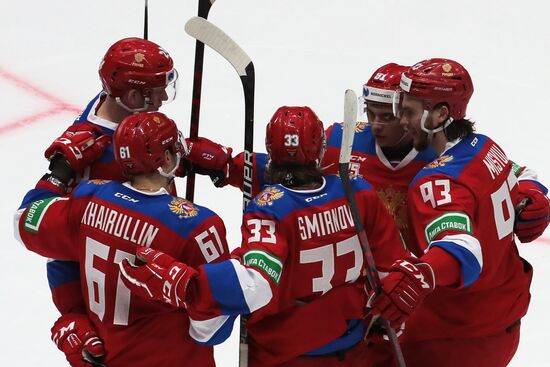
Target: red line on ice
[
  {"x": 29, "y": 120},
  {"x": 19, "y": 82},
  {"x": 59, "y": 105}
]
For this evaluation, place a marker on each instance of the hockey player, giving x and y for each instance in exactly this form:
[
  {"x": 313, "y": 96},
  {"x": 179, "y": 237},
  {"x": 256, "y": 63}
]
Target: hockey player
[
  {"x": 475, "y": 284},
  {"x": 299, "y": 268},
  {"x": 137, "y": 75},
  {"x": 383, "y": 153},
  {"x": 102, "y": 222}
]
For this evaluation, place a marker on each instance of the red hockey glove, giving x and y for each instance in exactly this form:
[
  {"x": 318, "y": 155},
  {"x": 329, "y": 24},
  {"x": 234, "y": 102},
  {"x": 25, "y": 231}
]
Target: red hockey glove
[
  {"x": 209, "y": 158},
  {"x": 402, "y": 290},
  {"x": 533, "y": 208},
  {"x": 81, "y": 144},
  {"x": 160, "y": 278},
  {"x": 75, "y": 336}
]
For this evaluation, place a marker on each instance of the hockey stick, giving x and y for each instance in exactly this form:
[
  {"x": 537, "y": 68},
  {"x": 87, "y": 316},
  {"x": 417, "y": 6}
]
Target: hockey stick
[
  {"x": 146, "y": 20},
  {"x": 350, "y": 117},
  {"x": 215, "y": 38},
  {"x": 204, "y": 9}
]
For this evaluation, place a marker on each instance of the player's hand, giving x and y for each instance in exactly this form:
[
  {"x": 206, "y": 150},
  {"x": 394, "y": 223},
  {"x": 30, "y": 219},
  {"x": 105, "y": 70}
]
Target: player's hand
[
  {"x": 81, "y": 144},
  {"x": 402, "y": 290},
  {"x": 209, "y": 158},
  {"x": 75, "y": 336},
  {"x": 533, "y": 212},
  {"x": 160, "y": 277}
]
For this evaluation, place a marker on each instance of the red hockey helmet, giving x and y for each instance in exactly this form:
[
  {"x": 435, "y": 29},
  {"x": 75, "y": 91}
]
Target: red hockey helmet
[
  {"x": 384, "y": 83},
  {"x": 141, "y": 139},
  {"x": 295, "y": 135},
  {"x": 440, "y": 81},
  {"x": 135, "y": 63}
]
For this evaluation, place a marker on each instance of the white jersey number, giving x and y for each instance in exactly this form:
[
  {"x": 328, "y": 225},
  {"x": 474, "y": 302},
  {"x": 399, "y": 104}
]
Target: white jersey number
[
  {"x": 95, "y": 281},
  {"x": 325, "y": 255},
  {"x": 209, "y": 247},
  {"x": 443, "y": 188},
  {"x": 256, "y": 226},
  {"x": 503, "y": 207}
]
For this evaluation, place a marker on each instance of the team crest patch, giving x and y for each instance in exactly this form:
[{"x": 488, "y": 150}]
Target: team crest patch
[
  {"x": 360, "y": 127},
  {"x": 99, "y": 182},
  {"x": 183, "y": 208},
  {"x": 268, "y": 196},
  {"x": 396, "y": 203},
  {"x": 440, "y": 162}
]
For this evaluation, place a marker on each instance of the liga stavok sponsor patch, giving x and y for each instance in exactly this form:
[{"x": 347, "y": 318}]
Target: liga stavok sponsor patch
[
  {"x": 453, "y": 221},
  {"x": 269, "y": 264},
  {"x": 35, "y": 213}
]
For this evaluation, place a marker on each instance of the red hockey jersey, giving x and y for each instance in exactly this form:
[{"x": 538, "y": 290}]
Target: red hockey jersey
[
  {"x": 100, "y": 224},
  {"x": 64, "y": 276},
  {"x": 390, "y": 181},
  {"x": 299, "y": 271},
  {"x": 462, "y": 202}
]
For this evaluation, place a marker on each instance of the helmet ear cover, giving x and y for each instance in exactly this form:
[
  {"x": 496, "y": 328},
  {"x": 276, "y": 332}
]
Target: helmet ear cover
[{"x": 295, "y": 136}]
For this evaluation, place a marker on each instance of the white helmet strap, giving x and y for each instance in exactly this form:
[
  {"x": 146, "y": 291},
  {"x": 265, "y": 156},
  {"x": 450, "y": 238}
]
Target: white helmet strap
[
  {"x": 172, "y": 173},
  {"x": 146, "y": 102},
  {"x": 431, "y": 132}
]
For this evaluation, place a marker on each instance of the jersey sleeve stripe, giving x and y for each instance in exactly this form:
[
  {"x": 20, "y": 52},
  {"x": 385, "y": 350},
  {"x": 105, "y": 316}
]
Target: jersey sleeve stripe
[
  {"x": 542, "y": 188},
  {"x": 237, "y": 289},
  {"x": 467, "y": 250},
  {"x": 212, "y": 331}
]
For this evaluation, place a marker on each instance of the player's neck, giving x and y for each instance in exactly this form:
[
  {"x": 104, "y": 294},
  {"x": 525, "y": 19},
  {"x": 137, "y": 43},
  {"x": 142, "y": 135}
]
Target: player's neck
[
  {"x": 397, "y": 153},
  {"x": 150, "y": 183},
  {"x": 439, "y": 142},
  {"x": 112, "y": 111}
]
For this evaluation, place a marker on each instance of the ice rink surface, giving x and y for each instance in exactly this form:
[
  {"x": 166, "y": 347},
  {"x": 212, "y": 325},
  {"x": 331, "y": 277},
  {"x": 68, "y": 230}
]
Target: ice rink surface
[{"x": 305, "y": 53}]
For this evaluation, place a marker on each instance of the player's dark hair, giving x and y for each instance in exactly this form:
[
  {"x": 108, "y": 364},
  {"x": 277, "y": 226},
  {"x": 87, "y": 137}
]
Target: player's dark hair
[
  {"x": 458, "y": 128},
  {"x": 293, "y": 176}
]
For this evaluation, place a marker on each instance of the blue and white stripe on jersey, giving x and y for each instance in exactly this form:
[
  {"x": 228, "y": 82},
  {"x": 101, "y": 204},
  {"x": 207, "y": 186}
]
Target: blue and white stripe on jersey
[
  {"x": 236, "y": 290},
  {"x": 467, "y": 250}
]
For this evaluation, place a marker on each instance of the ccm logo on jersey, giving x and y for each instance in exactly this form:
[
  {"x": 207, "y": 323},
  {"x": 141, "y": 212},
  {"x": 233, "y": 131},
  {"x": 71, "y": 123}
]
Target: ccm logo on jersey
[
  {"x": 309, "y": 200},
  {"x": 126, "y": 197}
]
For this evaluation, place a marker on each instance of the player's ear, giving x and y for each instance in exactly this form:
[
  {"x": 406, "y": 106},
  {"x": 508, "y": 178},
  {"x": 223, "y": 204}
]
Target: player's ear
[
  {"x": 169, "y": 160},
  {"x": 441, "y": 113},
  {"x": 134, "y": 97}
]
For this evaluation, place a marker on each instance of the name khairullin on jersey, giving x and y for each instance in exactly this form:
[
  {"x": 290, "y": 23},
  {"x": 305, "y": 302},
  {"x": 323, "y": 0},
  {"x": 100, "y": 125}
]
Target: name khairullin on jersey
[
  {"x": 325, "y": 223},
  {"x": 119, "y": 224}
]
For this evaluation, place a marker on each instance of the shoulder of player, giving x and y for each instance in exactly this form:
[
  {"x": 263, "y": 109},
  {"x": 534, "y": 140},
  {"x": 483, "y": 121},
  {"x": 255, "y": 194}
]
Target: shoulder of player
[
  {"x": 452, "y": 162},
  {"x": 269, "y": 200},
  {"x": 334, "y": 131},
  {"x": 91, "y": 187},
  {"x": 89, "y": 116},
  {"x": 185, "y": 209},
  {"x": 360, "y": 183},
  {"x": 180, "y": 215}
]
